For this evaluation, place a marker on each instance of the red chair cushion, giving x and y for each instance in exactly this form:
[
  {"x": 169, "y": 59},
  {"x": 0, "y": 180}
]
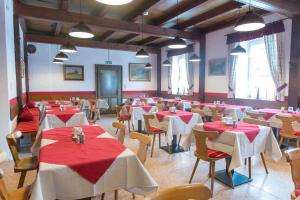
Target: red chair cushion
[
  {"x": 297, "y": 192},
  {"x": 124, "y": 117},
  {"x": 30, "y": 104},
  {"x": 216, "y": 154},
  {"x": 155, "y": 130},
  {"x": 295, "y": 132},
  {"x": 26, "y": 115},
  {"x": 92, "y": 123}
]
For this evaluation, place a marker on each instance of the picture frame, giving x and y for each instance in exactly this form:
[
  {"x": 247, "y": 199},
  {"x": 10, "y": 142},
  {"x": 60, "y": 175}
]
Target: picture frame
[
  {"x": 217, "y": 67},
  {"x": 73, "y": 72},
  {"x": 138, "y": 72}
]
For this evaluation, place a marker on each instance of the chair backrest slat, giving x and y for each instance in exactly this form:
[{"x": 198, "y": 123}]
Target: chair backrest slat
[
  {"x": 215, "y": 115},
  {"x": 147, "y": 118},
  {"x": 256, "y": 121},
  {"x": 287, "y": 123},
  {"x": 145, "y": 142},
  {"x": 293, "y": 157},
  {"x": 12, "y": 144},
  {"x": 120, "y": 126},
  {"x": 200, "y": 137},
  {"x": 255, "y": 115}
]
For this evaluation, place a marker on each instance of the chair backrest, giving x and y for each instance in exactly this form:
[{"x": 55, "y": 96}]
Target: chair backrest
[
  {"x": 256, "y": 121},
  {"x": 287, "y": 123},
  {"x": 145, "y": 142},
  {"x": 215, "y": 115},
  {"x": 147, "y": 118},
  {"x": 3, "y": 190},
  {"x": 196, "y": 109},
  {"x": 92, "y": 115},
  {"x": 160, "y": 106},
  {"x": 185, "y": 192},
  {"x": 293, "y": 157},
  {"x": 255, "y": 115},
  {"x": 200, "y": 137},
  {"x": 120, "y": 126},
  {"x": 118, "y": 110},
  {"x": 12, "y": 144}
]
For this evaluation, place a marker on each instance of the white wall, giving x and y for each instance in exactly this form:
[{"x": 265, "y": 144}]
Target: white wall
[
  {"x": 7, "y": 69},
  {"x": 45, "y": 76},
  {"x": 164, "y": 70},
  {"x": 216, "y": 47}
]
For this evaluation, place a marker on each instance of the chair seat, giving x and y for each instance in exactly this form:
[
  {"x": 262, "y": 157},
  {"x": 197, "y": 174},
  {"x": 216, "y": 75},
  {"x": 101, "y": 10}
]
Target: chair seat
[
  {"x": 297, "y": 192},
  {"x": 25, "y": 164},
  {"x": 156, "y": 130},
  {"x": 124, "y": 117},
  {"x": 296, "y": 134},
  {"x": 216, "y": 154},
  {"x": 20, "y": 194},
  {"x": 92, "y": 123}
]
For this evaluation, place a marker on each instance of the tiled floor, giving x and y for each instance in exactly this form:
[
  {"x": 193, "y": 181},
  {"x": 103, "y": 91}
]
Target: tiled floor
[{"x": 171, "y": 170}]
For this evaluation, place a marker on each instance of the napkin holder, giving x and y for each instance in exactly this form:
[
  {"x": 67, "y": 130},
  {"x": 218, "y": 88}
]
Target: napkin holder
[
  {"x": 172, "y": 109},
  {"x": 290, "y": 109},
  {"x": 228, "y": 121}
]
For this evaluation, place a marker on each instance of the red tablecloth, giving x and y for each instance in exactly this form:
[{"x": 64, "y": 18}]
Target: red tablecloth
[
  {"x": 145, "y": 108},
  {"x": 89, "y": 160},
  {"x": 250, "y": 130},
  {"x": 63, "y": 115},
  {"x": 184, "y": 116},
  {"x": 269, "y": 112}
]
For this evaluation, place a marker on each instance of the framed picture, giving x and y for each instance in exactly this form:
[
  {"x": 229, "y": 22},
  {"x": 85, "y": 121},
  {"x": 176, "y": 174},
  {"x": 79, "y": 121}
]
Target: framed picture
[
  {"x": 217, "y": 67},
  {"x": 73, "y": 72},
  {"x": 138, "y": 72}
]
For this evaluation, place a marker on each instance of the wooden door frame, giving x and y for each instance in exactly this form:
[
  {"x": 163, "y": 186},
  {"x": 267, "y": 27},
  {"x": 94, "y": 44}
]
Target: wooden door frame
[{"x": 99, "y": 66}]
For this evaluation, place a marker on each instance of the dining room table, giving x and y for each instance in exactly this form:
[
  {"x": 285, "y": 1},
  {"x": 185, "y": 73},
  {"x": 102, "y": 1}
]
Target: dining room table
[
  {"x": 146, "y": 100},
  {"x": 237, "y": 112},
  {"x": 240, "y": 142},
  {"x": 176, "y": 124},
  {"x": 137, "y": 112},
  {"x": 71, "y": 170}
]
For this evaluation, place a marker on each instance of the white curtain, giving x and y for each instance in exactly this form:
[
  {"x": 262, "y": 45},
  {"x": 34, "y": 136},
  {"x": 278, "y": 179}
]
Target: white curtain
[
  {"x": 170, "y": 79},
  {"x": 190, "y": 74},
  {"x": 232, "y": 60},
  {"x": 275, "y": 57}
]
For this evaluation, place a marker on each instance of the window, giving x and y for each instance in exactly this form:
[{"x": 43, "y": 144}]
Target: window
[
  {"x": 253, "y": 76},
  {"x": 179, "y": 75}
]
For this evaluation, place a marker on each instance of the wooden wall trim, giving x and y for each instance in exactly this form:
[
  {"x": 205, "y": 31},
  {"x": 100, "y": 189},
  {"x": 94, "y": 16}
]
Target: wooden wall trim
[
  {"x": 202, "y": 62},
  {"x": 158, "y": 74}
]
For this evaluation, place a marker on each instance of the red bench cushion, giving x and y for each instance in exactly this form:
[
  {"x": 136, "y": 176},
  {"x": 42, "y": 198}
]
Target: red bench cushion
[
  {"x": 25, "y": 115},
  {"x": 30, "y": 104}
]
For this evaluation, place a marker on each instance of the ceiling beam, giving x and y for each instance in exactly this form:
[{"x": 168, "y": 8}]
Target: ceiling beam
[
  {"x": 117, "y": 25},
  {"x": 208, "y": 15},
  {"x": 132, "y": 16},
  {"x": 87, "y": 43},
  {"x": 172, "y": 13},
  {"x": 285, "y": 7},
  {"x": 58, "y": 26}
]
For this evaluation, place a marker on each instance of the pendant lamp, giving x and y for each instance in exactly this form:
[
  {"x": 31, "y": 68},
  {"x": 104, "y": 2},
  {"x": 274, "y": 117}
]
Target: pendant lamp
[
  {"x": 166, "y": 63},
  {"x": 55, "y": 61},
  {"x": 114, "y": 2},
  {"x": 61, "y": 56},
  {"x": 148, "y": 66},
  {"x": 238, "y": 50},
  {"x": 194, "y": 58},
  {"x": 142, "y": 53},
  {"x": 81, "y": 30},
  {"x": 68, "y": 48}
]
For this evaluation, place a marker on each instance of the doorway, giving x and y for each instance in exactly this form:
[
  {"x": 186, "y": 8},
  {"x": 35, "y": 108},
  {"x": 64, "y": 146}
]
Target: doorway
[{"x": 109, "y": 85}]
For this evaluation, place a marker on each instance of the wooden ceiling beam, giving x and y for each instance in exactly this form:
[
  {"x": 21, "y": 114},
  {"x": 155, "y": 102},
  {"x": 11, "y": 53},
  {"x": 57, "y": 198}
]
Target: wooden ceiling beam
[
  {"x": 117, "y": 25},
  {"x": 132, "y": 16},
  {"x": 285, "y": 7},
  {"x": 87, "y": 43},
  {"x": 58, "y": 26},
  {"x": 208, "y": 15}
]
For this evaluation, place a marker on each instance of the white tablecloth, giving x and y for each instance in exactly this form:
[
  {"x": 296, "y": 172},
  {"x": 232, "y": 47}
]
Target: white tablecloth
[
  {"x": 52, "y": 121},
  {"x": 235, "y": 112},
  {"x": 175, "y": 126},
  {"x": 137, "y": 113},
  {"x": 239, "y": 147},
  {"x": 187, "y": 104},
  {"x": 60, "y": 182},
  {"x": 149, "y": 100}
]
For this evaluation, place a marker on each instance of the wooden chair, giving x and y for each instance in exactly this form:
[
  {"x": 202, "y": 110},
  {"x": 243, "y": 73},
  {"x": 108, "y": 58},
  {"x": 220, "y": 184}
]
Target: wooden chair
[
  {"x": 122, "y": 118},
  {"x": 260, "y": 123},
  {"x": 196, "y": 109},
  {"x": 19, "y": 194},
  {"x": 209, "y": 155},
  {"x": 215, "y": 115},
  {"x": 287, "y": 131},
  {"x": 293, "y": 157},
  {"x": 255, "y": 115},
  {"x": 92, "y": 116},
  {"x": 21, "y": 165},
  {"x": 160, "y": 106},
  {"x": 185, "y": 192},
  {"x": 151, "y": 130},
  {"x": 121, "y": 127},
  {"x": 145, "y": 142}
]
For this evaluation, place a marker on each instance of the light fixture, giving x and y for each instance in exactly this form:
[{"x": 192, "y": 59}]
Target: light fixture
[
  {"x": 55, "y": 61},
  {"x": 194, "y": 58},
  {"x": 250, "y": 21},
  {"x": 114, "y": 2},
  {"x": 177, "y": 42},
  {"x": 238, "y": 50},
  {"x": 81, "y": 30},
  {"x": 166, "y": 63},
  {"x": 68, "y": 48},
  {"x": 142, "y": 53},
  {"x": 148, "y": 66},
  {"x": 61, "y": 56}
]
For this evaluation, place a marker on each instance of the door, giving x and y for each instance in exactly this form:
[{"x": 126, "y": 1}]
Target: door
[{"x": 109, "y": 85}]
